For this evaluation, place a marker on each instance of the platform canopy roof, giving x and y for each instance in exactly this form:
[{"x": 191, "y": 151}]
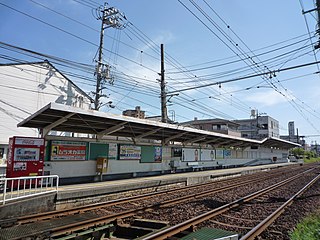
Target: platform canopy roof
[
  {"x": 273, "y": 142},
  {"x": 59, "y": 117}
]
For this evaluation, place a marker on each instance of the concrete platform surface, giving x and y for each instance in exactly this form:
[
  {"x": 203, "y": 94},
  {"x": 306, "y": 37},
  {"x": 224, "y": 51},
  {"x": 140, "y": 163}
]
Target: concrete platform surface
[{"x": 189, "y": 178}]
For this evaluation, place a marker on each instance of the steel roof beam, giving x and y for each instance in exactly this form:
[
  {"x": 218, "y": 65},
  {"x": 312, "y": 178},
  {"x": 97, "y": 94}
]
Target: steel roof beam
[
  {"x": 173, "y": 137},
  {"x": 212, "y": 141},
  {"x": 48, "y": 128},
  {"x": 147, "y": 134},
  {"x": 201, "y": 138},
  {"x": 220, "y": 143},
  {"x": 111, "y": 130}
]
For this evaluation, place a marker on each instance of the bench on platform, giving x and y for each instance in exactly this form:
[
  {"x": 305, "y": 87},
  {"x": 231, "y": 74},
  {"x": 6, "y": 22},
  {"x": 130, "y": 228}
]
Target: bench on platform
[{"x": 194, "y": 165}]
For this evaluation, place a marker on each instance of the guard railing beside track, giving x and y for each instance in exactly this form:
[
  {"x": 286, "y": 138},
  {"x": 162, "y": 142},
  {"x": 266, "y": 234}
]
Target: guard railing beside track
[{"x": 22, "y": 187}]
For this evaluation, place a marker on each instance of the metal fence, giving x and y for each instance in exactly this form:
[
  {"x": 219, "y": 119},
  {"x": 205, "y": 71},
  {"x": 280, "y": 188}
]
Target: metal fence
[{"x": 22, "y": 187}]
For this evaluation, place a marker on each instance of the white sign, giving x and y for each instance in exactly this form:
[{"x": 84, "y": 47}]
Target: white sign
[
  {"x": 29, "y": 141},
  {"x": 113, "y": 151}
]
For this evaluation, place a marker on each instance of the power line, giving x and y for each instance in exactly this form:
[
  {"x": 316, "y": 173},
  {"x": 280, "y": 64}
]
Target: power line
[
  {"x": 88, "y": 4},
  {"x": 254, "y": 66},
  {"x": 239, "y": 60},
  {"x": 73, "y": 35},
  {"x": 63, "y": 15},
  {"x": 246, "y": 77}
]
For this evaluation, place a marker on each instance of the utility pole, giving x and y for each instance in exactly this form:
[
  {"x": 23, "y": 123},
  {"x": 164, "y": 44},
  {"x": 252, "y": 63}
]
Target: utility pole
[
  {"x": 99, "y": 66},
  {"x": 110, "y": 17},
  {"x": 164, "y": 114},
  {"x": 318, "y": 23},
  {"x": 318, "y": 20}
]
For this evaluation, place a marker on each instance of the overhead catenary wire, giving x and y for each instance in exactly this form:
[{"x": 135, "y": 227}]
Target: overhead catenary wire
[
  {"x": 239, "y": 60},
  {"x": 132, "y": 83},
  {"x": 245, "y": 77},
  {"x": 268, "y": 81},
  {"x": 309, "y": 32},
  {"x": 73, "y": 35},
  {"x": 253, "y": 66},
  {"x": 256, "y": 50},
  {"x": 87, "y": 3}
]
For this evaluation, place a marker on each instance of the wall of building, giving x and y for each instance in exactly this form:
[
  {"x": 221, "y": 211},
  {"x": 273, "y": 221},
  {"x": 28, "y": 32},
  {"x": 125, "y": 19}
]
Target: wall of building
[
  {"x": 28, "y": 88},
  {"x": 259, "y": 128}
]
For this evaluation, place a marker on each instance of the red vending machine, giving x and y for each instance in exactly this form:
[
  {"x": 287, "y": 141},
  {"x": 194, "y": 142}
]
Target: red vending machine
[{"x": 25, "y": 157}]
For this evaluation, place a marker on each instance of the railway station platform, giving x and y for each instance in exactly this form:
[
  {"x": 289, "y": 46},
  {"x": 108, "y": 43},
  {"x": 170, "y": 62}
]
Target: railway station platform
[
  {"x": 69, "y": 196},
  {"x": 78, "y": 191}
]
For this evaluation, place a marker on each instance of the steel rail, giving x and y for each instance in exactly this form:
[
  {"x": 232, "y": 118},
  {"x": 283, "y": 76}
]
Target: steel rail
[
  {"x": 262, "y": 226},
  {"x": 81, "y": 209},
  {"x": 217, "y": 211},
  {"x": 107, "y": 219}
]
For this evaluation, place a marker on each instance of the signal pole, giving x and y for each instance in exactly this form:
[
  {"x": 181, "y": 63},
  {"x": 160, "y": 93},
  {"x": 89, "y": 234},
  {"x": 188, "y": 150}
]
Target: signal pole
[
  {"x": 164, "y": 114},
  {"x": 110, "y": 17}
]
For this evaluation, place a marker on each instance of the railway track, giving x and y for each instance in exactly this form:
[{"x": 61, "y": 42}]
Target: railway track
[
  {"x": 89, "y": 220},
  {"x": 254, "y": 231},
  {"x": 224, "y": 185},
  {"x": 84, "y": 221}
]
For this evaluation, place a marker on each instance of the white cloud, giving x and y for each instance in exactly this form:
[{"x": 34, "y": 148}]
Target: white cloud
[{"x": 266, "y": 98}]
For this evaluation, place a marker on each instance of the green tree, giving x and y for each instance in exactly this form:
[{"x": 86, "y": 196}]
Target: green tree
[{"x": 298, "y": 152}]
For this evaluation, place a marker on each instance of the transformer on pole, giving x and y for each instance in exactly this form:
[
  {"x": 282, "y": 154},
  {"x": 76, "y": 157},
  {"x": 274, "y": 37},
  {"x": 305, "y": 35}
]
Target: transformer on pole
[{"x": 110, "y": 17}]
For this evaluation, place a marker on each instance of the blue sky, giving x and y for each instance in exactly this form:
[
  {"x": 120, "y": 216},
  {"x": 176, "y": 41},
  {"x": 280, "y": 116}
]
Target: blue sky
[{"x": 262, "y": 37}]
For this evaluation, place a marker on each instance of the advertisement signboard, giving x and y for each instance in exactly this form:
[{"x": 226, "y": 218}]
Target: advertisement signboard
[
  {"x": 176, "y": 152},
  {"x": 129, "y": 152},
  {"x": 64, "y": 150},
  {"x": 207, "y": 155},
  {"x": 219, "y": 153},
  {"x": 157, "y": 154},
  {"x": 113, "y": 151},
  {"x": 227, "y": 153},
  {"x": 190, "y": 155}
]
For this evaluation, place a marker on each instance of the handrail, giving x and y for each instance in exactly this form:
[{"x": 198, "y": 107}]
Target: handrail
[{"x": 22, "y": 187}]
